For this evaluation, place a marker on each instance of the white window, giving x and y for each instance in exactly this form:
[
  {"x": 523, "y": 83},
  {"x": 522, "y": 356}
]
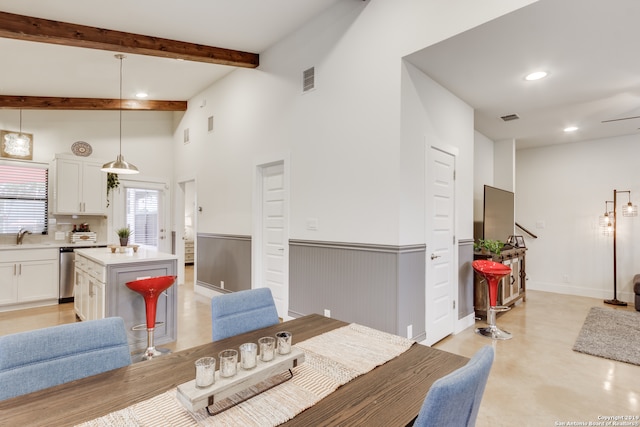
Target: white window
[
  {"x": 142, "y": 215},
  {"x": 23, "y": 198}
]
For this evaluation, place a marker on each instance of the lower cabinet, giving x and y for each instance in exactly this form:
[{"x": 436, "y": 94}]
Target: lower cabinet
[
  {"x": 28, "y": 277},
  {"x": 189, "y": 252},
  {"x": 101, "y": 291},
  {"x": 96, "y": 299},
  {"x": 123, "y": 302},
  {"x": 511, "y": 289}
]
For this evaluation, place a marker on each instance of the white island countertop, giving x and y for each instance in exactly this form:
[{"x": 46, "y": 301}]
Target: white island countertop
[{"x": 105, "y": 257}]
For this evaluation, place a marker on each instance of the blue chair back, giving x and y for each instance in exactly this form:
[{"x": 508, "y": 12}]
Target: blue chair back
[
  {"x": 35, "y": 360},
  {"x": 243, "y": 311},
  {"x": 454, "y": 400}
]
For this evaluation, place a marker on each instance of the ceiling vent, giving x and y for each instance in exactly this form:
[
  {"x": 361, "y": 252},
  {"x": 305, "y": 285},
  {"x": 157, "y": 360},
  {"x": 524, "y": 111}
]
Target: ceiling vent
[
  {"x": 510, "y": 117},
  {"x": 308, "y": 79},
  {"x": 210, "y": 124}
]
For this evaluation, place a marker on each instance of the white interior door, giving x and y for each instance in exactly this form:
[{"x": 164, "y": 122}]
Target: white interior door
[
  {"x": 440, "y": 262},
  {"x": 273, "y": 236}
]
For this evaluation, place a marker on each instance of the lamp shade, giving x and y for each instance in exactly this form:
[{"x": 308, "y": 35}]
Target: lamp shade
[
  {"x": 119, "y": 166},
  {"x": 630, "y": 210}
]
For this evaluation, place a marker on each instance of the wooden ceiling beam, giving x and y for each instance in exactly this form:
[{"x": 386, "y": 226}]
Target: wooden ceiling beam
[
  {"x": 59, "y": 103},
  {"x": 28, "y": 28}
]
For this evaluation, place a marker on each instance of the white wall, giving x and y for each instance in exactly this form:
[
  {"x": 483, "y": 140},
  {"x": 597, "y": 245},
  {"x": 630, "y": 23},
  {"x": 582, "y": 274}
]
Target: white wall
[
  {"x": 147, "y": 136},
  {"x": 432, "y": 116},
  {"x": 344, "y": 139},
  {"x": 504, "y": 164},
  {"x": 483, "y": 168},
  {"x": 560, "y": 192}
]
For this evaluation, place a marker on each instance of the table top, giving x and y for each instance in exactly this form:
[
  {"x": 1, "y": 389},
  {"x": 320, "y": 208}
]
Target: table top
[
  {"x": 104, "y": 256},
  {"x": 391, "y": 394}
]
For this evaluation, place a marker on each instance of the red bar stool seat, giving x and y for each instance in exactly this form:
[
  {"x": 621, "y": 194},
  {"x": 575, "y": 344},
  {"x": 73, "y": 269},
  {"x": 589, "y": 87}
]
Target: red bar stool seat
[
  {"x": 492, "y": 272},
  {"x": 150, "y": 289}
]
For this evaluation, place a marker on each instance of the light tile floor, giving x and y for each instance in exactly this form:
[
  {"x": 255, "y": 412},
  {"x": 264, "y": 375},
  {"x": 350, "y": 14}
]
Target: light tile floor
[{"x": 536, "y": 380}]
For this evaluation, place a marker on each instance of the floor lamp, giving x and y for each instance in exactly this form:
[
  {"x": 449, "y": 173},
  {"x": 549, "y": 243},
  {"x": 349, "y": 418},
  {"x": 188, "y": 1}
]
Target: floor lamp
[{"x": 629, "y": 210}]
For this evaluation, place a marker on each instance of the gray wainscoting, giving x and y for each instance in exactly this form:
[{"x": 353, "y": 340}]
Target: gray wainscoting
[
  {"x": 224, "y": 258},
  {"x": 379, "y": 286},
  {"x": 465, "y": 278}
]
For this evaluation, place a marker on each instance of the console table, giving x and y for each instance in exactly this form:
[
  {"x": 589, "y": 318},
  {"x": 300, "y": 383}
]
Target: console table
[{"x": 511, "y": 289}]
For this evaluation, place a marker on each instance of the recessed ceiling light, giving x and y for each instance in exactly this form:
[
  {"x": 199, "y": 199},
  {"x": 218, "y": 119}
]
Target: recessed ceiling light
[
  {"x": 536, "y": 75},
  {"x": 571, "y": 129},
  {"x": 141, "y": 95}
]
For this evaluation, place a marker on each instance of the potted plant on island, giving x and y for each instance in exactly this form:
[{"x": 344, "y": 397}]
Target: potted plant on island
[{"x": 123, "y": 234}]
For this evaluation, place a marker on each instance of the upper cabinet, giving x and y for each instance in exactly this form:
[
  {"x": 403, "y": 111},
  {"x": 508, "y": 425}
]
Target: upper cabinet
[{"x": 79, "y": 186}]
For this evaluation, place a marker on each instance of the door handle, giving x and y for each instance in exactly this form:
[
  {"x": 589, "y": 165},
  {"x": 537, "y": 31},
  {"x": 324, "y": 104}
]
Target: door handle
[{"x": 434, "y": 256}]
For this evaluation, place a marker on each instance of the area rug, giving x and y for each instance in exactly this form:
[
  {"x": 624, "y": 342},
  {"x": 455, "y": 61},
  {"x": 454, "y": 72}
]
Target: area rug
[{"x": 612, "y": 334}]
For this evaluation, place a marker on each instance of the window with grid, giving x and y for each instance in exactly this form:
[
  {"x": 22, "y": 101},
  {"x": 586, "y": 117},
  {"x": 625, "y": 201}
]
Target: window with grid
[
  {"x": 23, "y": 198},
  {"x": 142, "y": 215}
]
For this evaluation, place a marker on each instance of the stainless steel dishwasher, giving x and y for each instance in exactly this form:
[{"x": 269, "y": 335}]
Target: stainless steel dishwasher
[{"x": 67, "y": 279}]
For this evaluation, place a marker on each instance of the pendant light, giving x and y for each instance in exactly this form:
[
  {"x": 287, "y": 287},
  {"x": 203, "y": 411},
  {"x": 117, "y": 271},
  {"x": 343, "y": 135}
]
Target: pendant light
[
  {"x": 120, "y": 165},
  {"x": 18, "y": 145}
]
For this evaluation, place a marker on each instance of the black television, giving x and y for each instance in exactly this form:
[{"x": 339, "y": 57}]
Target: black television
[{"x": 498, "y": 218}]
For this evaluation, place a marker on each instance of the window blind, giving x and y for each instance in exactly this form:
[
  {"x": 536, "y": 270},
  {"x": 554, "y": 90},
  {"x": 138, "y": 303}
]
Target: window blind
[
  {"x": 142, "y": 215},
  {"x": 23, "y": 199}
]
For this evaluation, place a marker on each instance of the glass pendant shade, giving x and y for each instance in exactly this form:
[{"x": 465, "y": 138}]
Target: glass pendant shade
[
  {"x": 630, "y": 210},
  {"x": 603, "y": 220}
]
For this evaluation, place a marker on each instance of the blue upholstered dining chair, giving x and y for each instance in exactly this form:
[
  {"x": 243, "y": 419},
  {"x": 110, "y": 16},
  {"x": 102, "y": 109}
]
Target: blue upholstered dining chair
[
  {"x": 243, "y": 311},
  {"x": 454, "y": 399},
  {"x": 35, "y": 360}
]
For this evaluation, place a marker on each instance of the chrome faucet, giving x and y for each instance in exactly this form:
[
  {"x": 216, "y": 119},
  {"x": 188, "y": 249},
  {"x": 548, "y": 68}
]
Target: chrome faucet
[{"x": 20, "y": 235}]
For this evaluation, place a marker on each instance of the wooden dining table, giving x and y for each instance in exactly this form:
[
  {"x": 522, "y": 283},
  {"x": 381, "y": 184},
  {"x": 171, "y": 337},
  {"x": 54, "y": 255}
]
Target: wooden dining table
[{"x": 389, "y": 395}]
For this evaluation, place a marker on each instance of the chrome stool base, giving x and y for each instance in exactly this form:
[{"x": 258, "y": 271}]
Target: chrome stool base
[
  {"x": 151, "y": 352},
  {"x": 494, "y": 332},
  {"x": 491, "y": 330}
]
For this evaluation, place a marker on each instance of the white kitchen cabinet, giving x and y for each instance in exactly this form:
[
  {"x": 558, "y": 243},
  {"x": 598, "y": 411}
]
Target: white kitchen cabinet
[
  {"x": 96, "y": 300},
  {"x": 89, "y": 301},
  {"x": 28, "y": 278},
  {"x": 8, "y": 283},
  {"x": 79, "y": 187},
  {"x": 78, "y": 276}
]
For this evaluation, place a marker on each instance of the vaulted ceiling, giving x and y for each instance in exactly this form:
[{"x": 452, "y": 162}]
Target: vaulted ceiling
[
  {"x": 588, "y": 47},
  {"x": 61, "y": 55}
]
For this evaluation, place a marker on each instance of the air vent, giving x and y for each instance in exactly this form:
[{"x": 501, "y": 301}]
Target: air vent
[
  {"x": 186, "y": 136},
  {"x": 210, "y": 124},
  {"x": 510, "y": 117},
  {"x": 308, "y": 79}
]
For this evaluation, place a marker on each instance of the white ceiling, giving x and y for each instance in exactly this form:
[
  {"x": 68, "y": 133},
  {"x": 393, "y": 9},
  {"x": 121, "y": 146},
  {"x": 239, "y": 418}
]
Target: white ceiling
[
  {"x": 587, "y": 46},
  {"x": 39, "y": 69},
  {"x": 589, "y": 49}
]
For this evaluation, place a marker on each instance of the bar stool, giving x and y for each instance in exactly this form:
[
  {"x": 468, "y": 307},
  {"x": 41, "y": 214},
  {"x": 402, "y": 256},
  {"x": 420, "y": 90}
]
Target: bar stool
[
  {"x": 492, "y": 272},
  {"x": 150, "y": 289}
]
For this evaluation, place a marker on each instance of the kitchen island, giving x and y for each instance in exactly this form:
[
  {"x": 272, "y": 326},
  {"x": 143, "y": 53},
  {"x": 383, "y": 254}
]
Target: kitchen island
[{"x": 101, "y": 291}]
